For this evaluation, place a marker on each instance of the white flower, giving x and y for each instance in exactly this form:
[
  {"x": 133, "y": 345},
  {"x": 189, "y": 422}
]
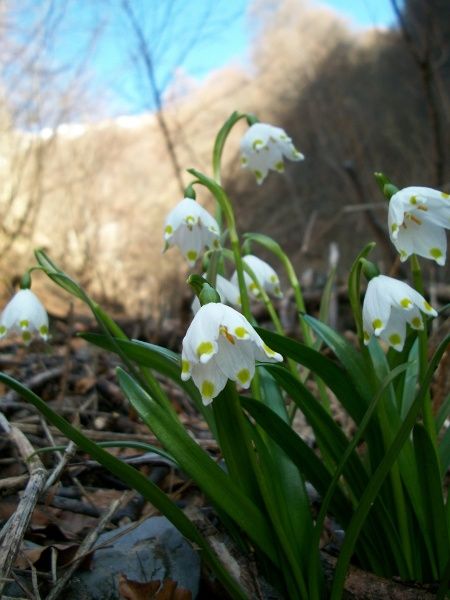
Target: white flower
[
  {"x": 220, "y": 344},
  {"x": 265, "y": 275},
  {"x": 388, "y": 305},
  {"x": 263, "y": 147},
  {"x": 192, "y": 228},
  {"x": 228, "y": 292},
  {"x": 418, "y": 217},
  {"x": 24, "y": 314}
]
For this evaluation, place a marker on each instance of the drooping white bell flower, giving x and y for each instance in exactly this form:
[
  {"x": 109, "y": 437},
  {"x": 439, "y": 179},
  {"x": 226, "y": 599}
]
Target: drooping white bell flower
[
  {"x": 265, "y": 275},
  {"x": 220, "y": 344},
  {"x": 418, "y": 217},
  {"x": 388, "y": 306},
  {"x": 190, "y": 227},
  {"x": 263, "y": 147},
  {"x": 228, "y": 292},
  {"x": 24, "y": 314}
]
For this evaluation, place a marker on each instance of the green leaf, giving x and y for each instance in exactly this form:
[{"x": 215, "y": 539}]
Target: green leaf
[
  {"x": 354, "y": 289},
  {"x": 215, "y": 483},
  {"x": 380, "y": 474},
  {"x": 135, "y": 480},
  {"x": 346, "y": 353},
  {"x": 305, "y": 459},
  {"x": 444, "y": 451},
  {"x": 160, "y": 359},
  {"x": 333, "y": 375},
  {"x": 443, "y": 413},
  {"x": 429, "y": 486}
]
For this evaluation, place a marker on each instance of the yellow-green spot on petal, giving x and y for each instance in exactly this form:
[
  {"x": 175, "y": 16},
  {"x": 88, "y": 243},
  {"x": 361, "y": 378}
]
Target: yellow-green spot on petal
[
  {"x": 244, "y": 161},
  {"x": 405, "y": 302},
  {"x": 395, "y": 339},
  {"x": 43, "y": 329},
  {"x": 24, "y": 324},
  {"x": 435, "y": 252},
  {"x": 258, "y": 175},
  {"x": 268, "y": 350},
  {"x": 185, "y": 366},
  {"x": 279, "y": 166},
  {"x": 192, "y": 255},
  {"x": 240, "y": 332},
  {"x": 168, "y": 229},
  {"x": 427, "y": 306},
  {"x": 413, "y": 200},
  {"x": 394, "y": 227},
  {"x": 416, "y": 323},
  {"x": 243, "y": 375},
  {"x": 366, "y": 336},
  {"x": 26, "y": 336},
  {"x": 207, "y": 389},
  {"x": 2, "y": 329},
  {"x": 403, "y": 254},
  {"x": 257, "y": 143},
  {"x": 377, "y": 324},
  {"x": 204, "y": 348},
  {"x": 445, "y": 196},
  {"x": 273, "y": 279},
  {"x": 216, "y": 244}
]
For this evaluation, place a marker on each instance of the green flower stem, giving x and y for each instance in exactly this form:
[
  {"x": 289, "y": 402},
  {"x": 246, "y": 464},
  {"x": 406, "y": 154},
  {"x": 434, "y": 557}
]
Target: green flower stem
[
  {"x": 427, "y": 411},
  {"x": 107, "y": 324},
  {"x": 219, "y": 143},
  {"x": 276, "y": 249},
  {"x": 398, "y": 492},
  {"x": 224, "y": 202}
]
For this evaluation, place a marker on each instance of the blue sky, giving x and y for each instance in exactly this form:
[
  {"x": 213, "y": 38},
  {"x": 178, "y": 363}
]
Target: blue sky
[
  {"x": 203, "y": 35},
  {"x": 224, "y": 40}
]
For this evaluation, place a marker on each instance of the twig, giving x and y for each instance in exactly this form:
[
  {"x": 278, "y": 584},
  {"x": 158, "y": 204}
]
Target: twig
[{"x": 14, "y": 529}]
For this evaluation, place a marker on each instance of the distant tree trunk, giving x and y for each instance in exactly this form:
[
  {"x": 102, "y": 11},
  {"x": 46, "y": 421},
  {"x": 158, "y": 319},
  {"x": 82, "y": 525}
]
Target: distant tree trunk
[
  {"x": 156, "y": 93},
  {"x": 423, "y": 58}
]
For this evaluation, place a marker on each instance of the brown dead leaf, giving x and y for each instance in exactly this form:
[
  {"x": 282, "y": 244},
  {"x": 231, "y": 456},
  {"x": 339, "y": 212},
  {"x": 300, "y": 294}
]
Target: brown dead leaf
[
  {"x": 152, "y": 590},
  {"x": 41, "y": 557}
]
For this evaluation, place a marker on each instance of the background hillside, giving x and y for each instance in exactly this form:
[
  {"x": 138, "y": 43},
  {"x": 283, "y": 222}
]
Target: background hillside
[{"x": 96, "y": 195}]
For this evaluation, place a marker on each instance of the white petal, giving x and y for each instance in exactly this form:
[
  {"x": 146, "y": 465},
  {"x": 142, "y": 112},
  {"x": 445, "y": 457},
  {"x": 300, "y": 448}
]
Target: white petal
[
  {"x": 236, "y": 324},
  {"x": 228, "y": 291},
  {"x": 427, "y": 240},
  {"x": 265, "y": 275},
  {"x": 200, "y": 341},
  {"x": 376, "y": 308},
  {"x": 236, "y": 360},
  {"x": 209, "y": 380},
  {"x": 395, "y": 331}
]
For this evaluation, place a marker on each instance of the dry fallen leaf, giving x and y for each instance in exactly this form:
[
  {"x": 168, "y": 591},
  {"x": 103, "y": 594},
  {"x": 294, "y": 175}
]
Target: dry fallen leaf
[{"x": 152, "y": 590}]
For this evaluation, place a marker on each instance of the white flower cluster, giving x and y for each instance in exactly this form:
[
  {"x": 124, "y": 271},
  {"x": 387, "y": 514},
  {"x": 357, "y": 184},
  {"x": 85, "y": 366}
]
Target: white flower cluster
[{"x": 220, "y": 344}]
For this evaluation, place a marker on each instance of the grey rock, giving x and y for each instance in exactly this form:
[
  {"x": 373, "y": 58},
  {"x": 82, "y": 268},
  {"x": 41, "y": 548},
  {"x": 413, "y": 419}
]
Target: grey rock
[{"x": 153, "y": 550}]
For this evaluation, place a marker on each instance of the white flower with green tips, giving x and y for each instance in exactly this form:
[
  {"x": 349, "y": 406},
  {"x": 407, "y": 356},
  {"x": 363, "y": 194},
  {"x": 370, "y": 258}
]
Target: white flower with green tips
[
  {"x": 418, "y": 217},
  {"x": 190, "y": 227},
  {"x": 24, "y": 314},
  {"x": 228, "y": 292},
  {"x": 220, "y": 344},
  {"x": 388, "y": 306},
  {"x": 263, "y": 147},
  {"x": 265, "y": 275}
]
